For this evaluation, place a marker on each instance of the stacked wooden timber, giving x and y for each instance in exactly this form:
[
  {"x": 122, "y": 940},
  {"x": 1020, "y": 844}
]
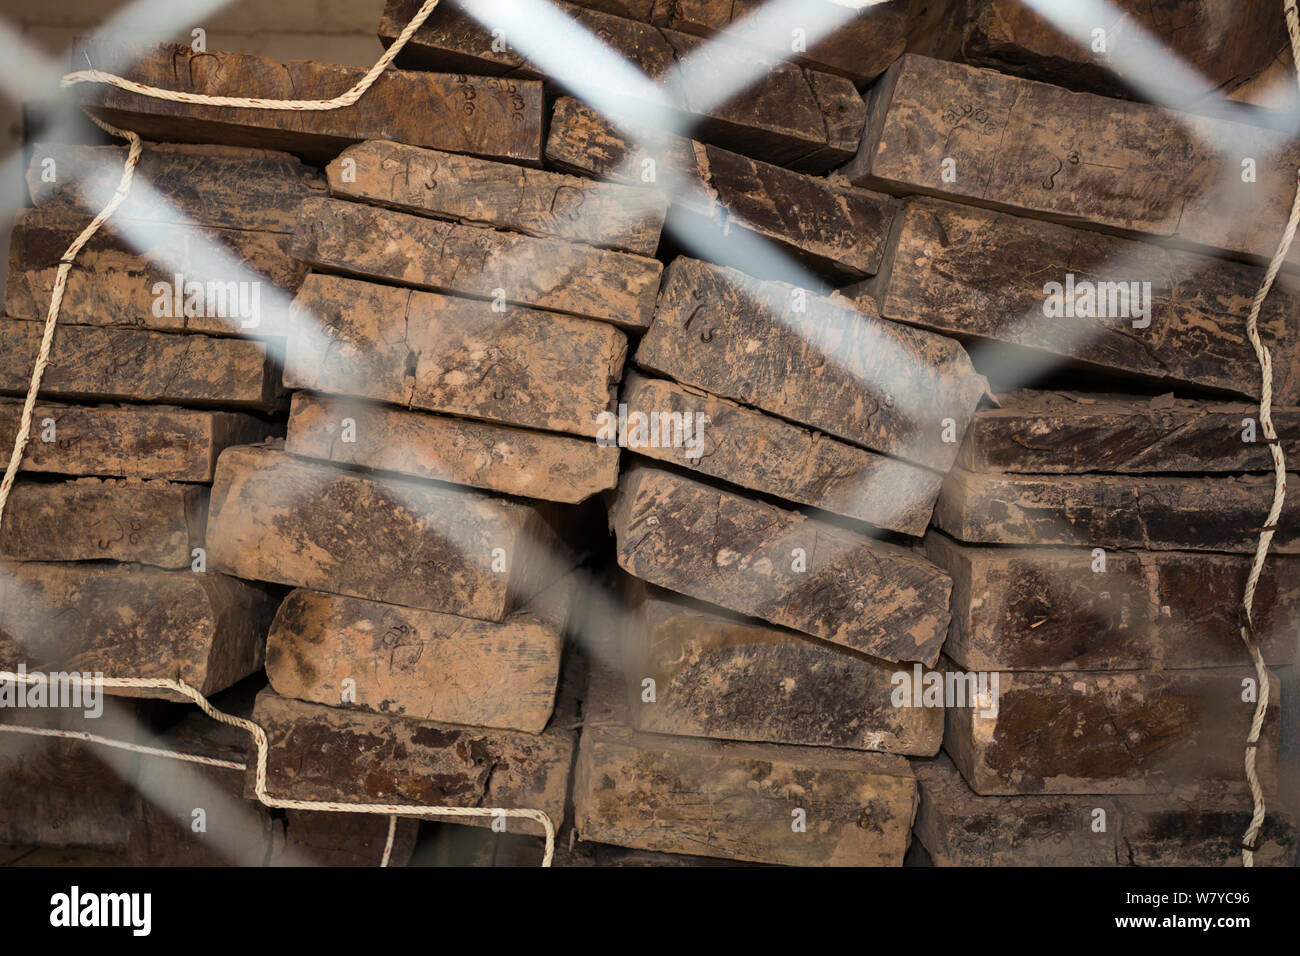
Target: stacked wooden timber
[{"x": 841, "y": 599}]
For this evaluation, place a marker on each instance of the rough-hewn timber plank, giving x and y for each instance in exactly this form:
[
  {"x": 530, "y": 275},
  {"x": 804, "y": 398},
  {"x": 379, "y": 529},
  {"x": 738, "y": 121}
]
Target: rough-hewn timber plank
[
  {"x": 224, "y": 187},
  {"x": 483, "y": 116},
  {"x": 139, "y": 365},
  {"x": 788, "y": 115},
  {"x": 469, "y": 260},
  {"x": 1030, "y": 609},
  {"x": 1161, "y": 513},
  {"x": 785, "y": 567},
  {"x": 815, "y": 360},
  {"x": 128, "y": 441},
  {"x": 465, "y": 189},
  {"x": 825, "y": 225},
  {"x": 984, "y": 276},
  {"x": 733, "y": 679},
  {"x": 276, "y": 517},
  {"x": 97, "y": 519},
  {"x": 1072, "y": 432},
  {"x": 424, "y": 664},
  {"x": 348, "y": 756},
  {"x": 513, "y": 461},
  {"x": 457, "y": 356},
  {"x": 163, "y": 276},
  {"x": 130, "y": 621},
  {"x": 736, "y": 800},
  {"x": 960, "y": 828},
  {"x": 768, "y": 454},
  {"x": 1112, "y": 733},
  {"x": 1015, "y": 144}
]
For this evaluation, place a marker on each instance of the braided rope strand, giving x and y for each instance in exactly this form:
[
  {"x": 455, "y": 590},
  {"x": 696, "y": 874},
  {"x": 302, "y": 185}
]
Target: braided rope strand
[{"x": 24, "y": 432}]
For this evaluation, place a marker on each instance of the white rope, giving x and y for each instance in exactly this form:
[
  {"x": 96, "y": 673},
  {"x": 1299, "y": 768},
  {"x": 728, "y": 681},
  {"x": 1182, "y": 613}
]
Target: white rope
[
  {"x": 1279, "y": 487},
  {"x": 263, "y": 750},
  {"x": 38, "y": 372}
]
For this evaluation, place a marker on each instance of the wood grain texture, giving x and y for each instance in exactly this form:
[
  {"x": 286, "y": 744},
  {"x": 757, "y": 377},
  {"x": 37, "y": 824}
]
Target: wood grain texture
[
  {"x": 1059, "y": 609},
  {"x": 421, "y": 664},
  {"x": 130, "y": 621},
  {"x": 788, "y": 115},
  {"x": 347, "y": 756},
  {"x": 740, "y": 553},
  {"x": 482, "y": 116},
  {"x": 1143, "y": 732},
  {"x": 224, "y": 187},
  {"x": 96, "y": 519},
  {"x": 835, "y": 367},
  {"x": 1229, "y": 42},
  {"x": 983, "y": 275},
  {"x": 444, "y": 354},
  {"x": 512, "y": 461},
  {"x": 468, "y": 260},
  {"x": 1072, "y": 432},
  {"x": 1161, "y": 513},
  {"x": 825, "y": 225},
  {"x": 1016, "y": 145},
  {"x": 734, "y": 679},
  {"x": 140, "y": 365},
  {"x": 130, "y": 280},
  {"x": 128, "y": 441},
  {"x": 276, "y": 517},
  {"x": 960, "y": 828},
  {"x": 465, "y": 189},
  {"x": 753, "y": 450},
  {"x": 735, "y": 800}
]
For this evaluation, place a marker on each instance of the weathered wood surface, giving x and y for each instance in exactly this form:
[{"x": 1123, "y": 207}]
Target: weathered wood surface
[
  {"x": 348, "y": 756},
  {"x": 512, "y": 461},
  {"x": 163, "y": 276},
  {"x": 983, "y": 276},
  {"x": 1161, "y": 513},
  {"x": 97, "y": 519},
  {"x": 275, "y": 517},
  {"x": 223, "y": 187},
  {"x": 128, "y": 441},
  {"x": 1143, "y": 732},
  {"x": 788, "y": 115},
  {"x": 1016, "y": 145},
  {"x": 235, "y": 831},
  {"x": 816, "y": 360},
  {"x": 445, "y": 354},
  {"x": 343, "y": 839},
  {"x": 1229, "y": 42},
  {"x": 768, "y": 454},
  {"x": 861, "y": 49},
  {"x": 469, "y": 260},
  {"x": 825, "y": 225},
  {"x": 960, "y": 828},
  {"x": 483, "y": 116},
  {"x": 735, "y": 800},
  {"x": 1073, "y": 432},
  {"x": 465, "y": 189},
  {"x": 742, "y": 554},
  {"x": 59, "y": 792},
  {"x": 423, "y": 664},
  {"x": 1032, "y": 609},
  {"x": 130, "y": 621},
  {"x": 732, "y": 679},
  {"x": 140, "y": 365}
]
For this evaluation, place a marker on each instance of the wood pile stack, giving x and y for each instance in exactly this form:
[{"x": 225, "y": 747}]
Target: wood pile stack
[{"x": 680, "y": 485}]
